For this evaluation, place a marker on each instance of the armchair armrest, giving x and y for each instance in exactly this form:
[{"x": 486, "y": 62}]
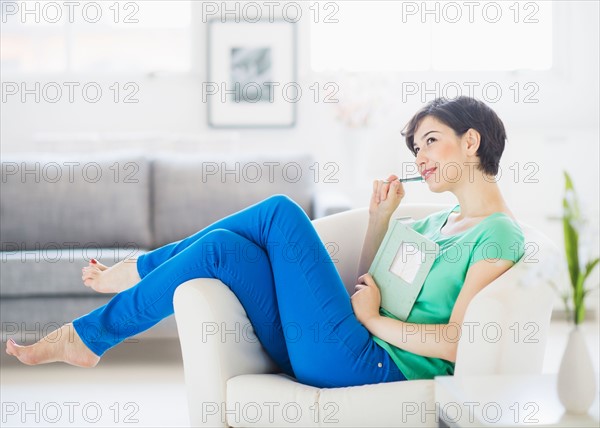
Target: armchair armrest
[{"x": 217, "y": 343}]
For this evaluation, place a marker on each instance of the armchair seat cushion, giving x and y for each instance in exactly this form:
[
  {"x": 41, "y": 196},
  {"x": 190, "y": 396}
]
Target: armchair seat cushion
[{"x": 279, "y": 400}]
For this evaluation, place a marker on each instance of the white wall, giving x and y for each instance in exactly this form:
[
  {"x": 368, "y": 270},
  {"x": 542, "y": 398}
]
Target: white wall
[
  {"x": 559, "y": 132},
  {"x": 564, "y": 120}
]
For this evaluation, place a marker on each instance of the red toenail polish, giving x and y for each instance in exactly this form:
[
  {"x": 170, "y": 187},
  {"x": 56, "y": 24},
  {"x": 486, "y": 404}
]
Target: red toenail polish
[{"x": 94, "y": 261}]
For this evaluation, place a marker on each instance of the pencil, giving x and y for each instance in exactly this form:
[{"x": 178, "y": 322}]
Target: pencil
[{"x": 404, "y": 180}]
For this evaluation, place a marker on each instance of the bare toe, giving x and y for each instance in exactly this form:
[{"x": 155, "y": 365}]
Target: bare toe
[
  {"x": 11, "y": 347},
  {"x": 22, "y": 353},
  {"x": 96, "y": 263},
  {"x": 30, "y": 355},
  {"x": 90, "y": 277}
]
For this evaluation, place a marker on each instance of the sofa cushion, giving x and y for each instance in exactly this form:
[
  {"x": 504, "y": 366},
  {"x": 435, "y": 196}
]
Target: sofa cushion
[
  {"x": 53, "y": 272},
  {"x": 74, "y": 201},
  {"x": 193, "y": 191},
  {"x": 27, "y": 320},
  {"x": 278, "y": 400}
]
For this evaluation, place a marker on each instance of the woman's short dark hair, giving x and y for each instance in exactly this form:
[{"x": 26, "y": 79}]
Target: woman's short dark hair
[{"x": 461, "y": 114}]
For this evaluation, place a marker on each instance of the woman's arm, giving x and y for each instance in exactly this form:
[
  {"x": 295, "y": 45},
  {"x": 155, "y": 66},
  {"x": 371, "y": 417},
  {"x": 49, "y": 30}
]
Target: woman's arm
[
  {"x": 434, "y": 340},
  {"x": 384, "y": 200}
]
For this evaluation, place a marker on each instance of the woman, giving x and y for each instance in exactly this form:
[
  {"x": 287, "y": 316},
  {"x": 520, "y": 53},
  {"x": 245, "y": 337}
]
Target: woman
[{"x": 273, "y": 260}]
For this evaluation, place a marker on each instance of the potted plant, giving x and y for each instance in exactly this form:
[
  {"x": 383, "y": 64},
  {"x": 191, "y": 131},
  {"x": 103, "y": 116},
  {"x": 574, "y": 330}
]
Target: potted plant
[{"x": 576, "y": 378}]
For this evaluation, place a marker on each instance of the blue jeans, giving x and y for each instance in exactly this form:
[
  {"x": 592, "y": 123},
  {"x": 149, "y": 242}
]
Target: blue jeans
[{"x": 271, "y": 257}]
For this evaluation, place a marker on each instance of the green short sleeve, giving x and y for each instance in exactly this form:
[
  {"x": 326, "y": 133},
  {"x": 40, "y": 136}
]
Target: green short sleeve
[{"x": 501, "y": 239}]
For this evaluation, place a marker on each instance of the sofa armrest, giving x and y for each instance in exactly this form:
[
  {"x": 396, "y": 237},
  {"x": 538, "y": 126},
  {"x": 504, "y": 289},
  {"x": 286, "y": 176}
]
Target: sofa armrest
[{"x": 217, "y": 343}]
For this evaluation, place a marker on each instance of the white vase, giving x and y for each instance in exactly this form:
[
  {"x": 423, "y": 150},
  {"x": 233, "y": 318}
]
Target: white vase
[{"x": 576, "y": 377}]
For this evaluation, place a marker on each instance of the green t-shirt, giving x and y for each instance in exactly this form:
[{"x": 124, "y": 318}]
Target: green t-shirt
[{"x": 495, "y": 237}]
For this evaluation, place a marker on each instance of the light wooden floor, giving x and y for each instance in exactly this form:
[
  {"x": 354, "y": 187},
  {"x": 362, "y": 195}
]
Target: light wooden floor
[
  {"x": 142, "y": 385},
  {"x": 135, "y": 385}
]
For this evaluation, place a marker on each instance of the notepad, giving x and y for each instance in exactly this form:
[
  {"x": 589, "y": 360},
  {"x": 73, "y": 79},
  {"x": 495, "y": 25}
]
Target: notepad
[{"x": 401, "y": 266}]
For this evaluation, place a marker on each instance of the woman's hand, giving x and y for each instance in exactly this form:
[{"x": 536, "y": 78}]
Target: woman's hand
[
  {"x": 366, "y": 299},
  {"x": 386, "y": 197}
]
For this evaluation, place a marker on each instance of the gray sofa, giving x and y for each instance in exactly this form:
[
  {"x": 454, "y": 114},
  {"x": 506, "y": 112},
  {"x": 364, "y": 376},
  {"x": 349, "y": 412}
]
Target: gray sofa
[{"x": 57, "y": 212}]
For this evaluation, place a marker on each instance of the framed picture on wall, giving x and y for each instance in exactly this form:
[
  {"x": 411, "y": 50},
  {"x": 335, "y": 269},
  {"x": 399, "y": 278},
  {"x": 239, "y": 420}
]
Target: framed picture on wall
[{"x": 251, "y": 75}]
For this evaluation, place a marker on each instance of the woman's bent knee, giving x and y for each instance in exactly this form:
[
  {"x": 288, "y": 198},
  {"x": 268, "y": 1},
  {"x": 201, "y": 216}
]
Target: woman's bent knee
[
  {"x": 284, "y": 202},
  {"x": 280, "y": 198}
]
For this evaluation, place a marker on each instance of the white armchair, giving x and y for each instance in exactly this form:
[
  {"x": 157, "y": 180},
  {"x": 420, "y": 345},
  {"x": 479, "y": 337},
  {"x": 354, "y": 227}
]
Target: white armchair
[{"x": 231, "y": 381}]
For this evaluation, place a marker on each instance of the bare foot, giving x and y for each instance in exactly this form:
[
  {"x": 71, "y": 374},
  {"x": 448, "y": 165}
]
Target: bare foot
[
  {"x": 112, "y": 279},
  {"x": 62, "y": 345}
]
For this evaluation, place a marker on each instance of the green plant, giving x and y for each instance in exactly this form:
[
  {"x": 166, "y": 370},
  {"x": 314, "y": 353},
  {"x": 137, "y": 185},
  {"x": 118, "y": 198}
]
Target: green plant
[{"x": 572, "y": 222}]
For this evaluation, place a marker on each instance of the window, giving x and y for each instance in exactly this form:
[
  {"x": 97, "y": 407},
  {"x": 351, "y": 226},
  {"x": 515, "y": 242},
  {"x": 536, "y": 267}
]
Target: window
[
  {"x": 403, "y": 36},
  {"x": 105, "y": 36}
]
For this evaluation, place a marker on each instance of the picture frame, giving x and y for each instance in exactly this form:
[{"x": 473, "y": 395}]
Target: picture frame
[{"x": 251, "y": 74}]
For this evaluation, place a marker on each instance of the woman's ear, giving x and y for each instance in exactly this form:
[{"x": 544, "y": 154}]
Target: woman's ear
[{"x": 472, "y": 138}]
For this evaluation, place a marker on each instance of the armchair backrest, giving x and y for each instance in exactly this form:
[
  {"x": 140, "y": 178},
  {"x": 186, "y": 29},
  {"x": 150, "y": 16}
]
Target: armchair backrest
[
  {"x": 510, "y": 318},
  {"x": 506, "y": 324}
]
